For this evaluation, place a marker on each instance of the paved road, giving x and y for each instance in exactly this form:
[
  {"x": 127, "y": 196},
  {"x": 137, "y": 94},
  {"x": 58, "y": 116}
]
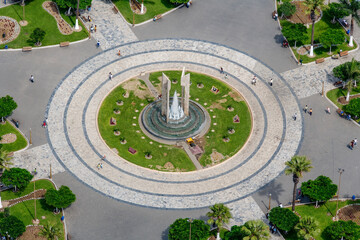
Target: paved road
[
  {"x": 245, "y": 25},
  {"x": 48, "y": 66},
  {"x": 94, "y": 216},
  {"x": 326, "y": 137}
]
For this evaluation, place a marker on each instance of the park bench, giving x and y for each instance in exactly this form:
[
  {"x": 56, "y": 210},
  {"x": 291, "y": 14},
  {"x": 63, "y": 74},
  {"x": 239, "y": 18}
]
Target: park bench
[
  {"x": 320, "y": 60},
  {"x": 338, "y": 83},
  {"x": 297, "y": 201},
  {"x": 344, "y": 53},
  {"x": 64, "y": 44},
  {"x": 131, "y": 150},
  {"x": 115, "y": 9},
  {"x": 112, "y": 121},
  {"x": 84, "y": 18},
  {"x": 26, "y": 49}
]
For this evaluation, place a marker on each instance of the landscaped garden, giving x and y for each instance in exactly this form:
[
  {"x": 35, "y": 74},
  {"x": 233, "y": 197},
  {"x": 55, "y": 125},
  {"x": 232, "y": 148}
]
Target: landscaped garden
[
  {"x": 10, "y": 138},
  {"x": 38, "y": 17},
  {"x": 153, "y": 8},
  {"x": 329, "y": 36},
  {"x": 225, "y": 137}
]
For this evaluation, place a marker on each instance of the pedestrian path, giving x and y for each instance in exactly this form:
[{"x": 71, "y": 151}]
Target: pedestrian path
[
  {"x": 75, "y": 141},
  {"x": 111, "y": 28}
]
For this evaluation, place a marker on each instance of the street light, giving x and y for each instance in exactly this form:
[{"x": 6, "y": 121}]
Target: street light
[
  {"x": 190, "y": 220},
  {"x": 340, "y": 171},
  {"x": 269, "y": 202}
]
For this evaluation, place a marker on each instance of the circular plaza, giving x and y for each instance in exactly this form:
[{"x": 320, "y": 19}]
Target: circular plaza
[{"x": 76, "y": 142}]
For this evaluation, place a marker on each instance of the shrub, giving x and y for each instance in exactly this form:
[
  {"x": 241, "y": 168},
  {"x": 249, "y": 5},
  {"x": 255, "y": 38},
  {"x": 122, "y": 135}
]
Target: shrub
[
  {"x": 61, "y": 198},
  {"x": 12, "y": 226},
  {"x": 283, "y": 218},
  {"x": 37, "y": 36},
  {"x": 7, "y": 106},
  {"x": 234, "y": 234},
  {"x": 180, "y": 229},
  {"x": 348, "y": 230},
  {"x": 341, "y": 70},
  {"x": 353, "y": 108},
  {"x": 17, "y": 177},
  {"x": 287, "y": 9}
]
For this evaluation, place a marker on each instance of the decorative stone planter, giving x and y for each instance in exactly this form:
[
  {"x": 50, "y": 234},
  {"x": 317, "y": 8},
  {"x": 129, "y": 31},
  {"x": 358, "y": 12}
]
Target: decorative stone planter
[{"x": 119, "y": 103}]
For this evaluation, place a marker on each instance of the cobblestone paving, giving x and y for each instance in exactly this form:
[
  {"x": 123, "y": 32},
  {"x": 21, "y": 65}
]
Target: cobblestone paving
[
  {"x": 112, "y": 29},
  {"x": 79, "y": 147}
]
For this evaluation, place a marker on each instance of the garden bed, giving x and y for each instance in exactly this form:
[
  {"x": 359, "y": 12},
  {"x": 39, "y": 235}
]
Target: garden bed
[
  {"x": 340, "y": 92},
  {"x": 20, "y": 142}
]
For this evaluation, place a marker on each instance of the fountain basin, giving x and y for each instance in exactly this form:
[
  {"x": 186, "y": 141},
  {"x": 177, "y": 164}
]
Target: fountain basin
[{"x": 155, "y": 126}]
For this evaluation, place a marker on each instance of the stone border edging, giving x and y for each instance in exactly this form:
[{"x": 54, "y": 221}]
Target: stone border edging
[{"x": 16, "y": 29}]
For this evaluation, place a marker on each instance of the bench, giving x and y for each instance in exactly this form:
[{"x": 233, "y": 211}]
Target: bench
[
  {"x": 64, "y": 44},
  {"x": 84, "y": 18},
  {"x": 338, "y": 83},
  {"x": 344, "y": 53},
  {"x": 131, "y": 150},
  {"x": 26, "y": 49},
  {"x": 115, "y": 9},
  {"x": 112, "y": 121},
  {"x": 297, "y": 201},
  {"x": 320, "y": 60},
  {"x": 157, "y": 17}
]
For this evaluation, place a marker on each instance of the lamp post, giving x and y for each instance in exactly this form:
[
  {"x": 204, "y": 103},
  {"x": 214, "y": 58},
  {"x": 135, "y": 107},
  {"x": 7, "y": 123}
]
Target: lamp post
[
  {"x": 269, "y": 202},
  {"x": 190, "y": 220},
  {"x": 77, "y": 16},
  {"x": 340, "y": 171},
  {"x": 7, "y": 235}
]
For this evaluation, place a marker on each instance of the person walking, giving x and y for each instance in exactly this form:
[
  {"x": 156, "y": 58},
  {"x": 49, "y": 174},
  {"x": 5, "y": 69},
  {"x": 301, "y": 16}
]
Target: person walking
[
  {"x": 31, "y": 78},
  {"x": 306, "y": 108},
  {"x": 310, "y": 111},
  {"x": 98, "y": 44},
  {"x": 355, "y": 141},
  {"x": 95, "y": 28},
  {"x": 294, "y": 117},
  {"x": 110, "y": 75},
  {"x": 271, "y": 82},
  {"x": 328, "y": 110},
  {"x": 221, "y": 70}
]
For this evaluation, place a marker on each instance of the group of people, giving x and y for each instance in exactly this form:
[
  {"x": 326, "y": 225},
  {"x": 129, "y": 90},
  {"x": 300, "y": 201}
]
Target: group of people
[
  {"x": 307, "y": 110},
  {"x": 93, "y": 28}
]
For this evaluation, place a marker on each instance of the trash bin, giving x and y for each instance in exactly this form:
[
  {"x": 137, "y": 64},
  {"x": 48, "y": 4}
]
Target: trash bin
[{"x": 6, "y": 47}]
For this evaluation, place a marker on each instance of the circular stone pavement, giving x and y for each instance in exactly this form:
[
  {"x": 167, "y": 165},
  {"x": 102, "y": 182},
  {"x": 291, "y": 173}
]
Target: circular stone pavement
[{"x": 76, "y": 143}]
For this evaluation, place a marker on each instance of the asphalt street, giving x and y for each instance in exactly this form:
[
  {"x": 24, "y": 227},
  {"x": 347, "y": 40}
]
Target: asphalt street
[
  {"x": 244, "y": 25},
  {"x": 48, "y": 66}
]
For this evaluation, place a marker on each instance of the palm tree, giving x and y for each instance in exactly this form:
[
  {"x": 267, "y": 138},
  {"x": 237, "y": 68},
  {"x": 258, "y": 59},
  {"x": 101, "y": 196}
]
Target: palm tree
[
  {"x": 5, "y": 159},
  {"x": 219, "y": 215},
  {"x": 352, "y": 74},
  {"x": 255, "y": 230},
  {"x": 50, "y": 232},
  {"x": 313, "y": 5},
  {"x": 306, "y": 228},
  {"x": 352, "y": 7},
  {"x": 296, "y": 166}
]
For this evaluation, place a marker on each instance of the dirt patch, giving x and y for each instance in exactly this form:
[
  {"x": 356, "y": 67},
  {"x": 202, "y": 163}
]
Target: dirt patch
[
  {"x": 138, "y": 88},
  {"x": 38, "y": 194},
  {"x": 217, "y": 104},
  {"x": 350, "y": 213},
  {"x": 8, "y": 138},
  {"x": 32, "y": 233},
  {"x": 216, "y": 157},
  {"x": 342, "y": 100},
  {"x": 169, "y": 166},
  {"x": 53, "y": 10},
  {"x": 301, "y": 15},
  {"x": 236, "y": 96},
  {"x": 9, "y": 29}
]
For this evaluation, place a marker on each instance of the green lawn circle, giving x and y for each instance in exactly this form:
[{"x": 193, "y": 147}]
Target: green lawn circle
[{"x": 125, "y": 103}]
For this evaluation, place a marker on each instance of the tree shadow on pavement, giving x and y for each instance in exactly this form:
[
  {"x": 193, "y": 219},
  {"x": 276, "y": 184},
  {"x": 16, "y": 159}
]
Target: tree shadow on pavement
[
  {"x": 278, "y": 38},
  {"x": 276, "y": 189},
  {"x": 165, "y": 233}
]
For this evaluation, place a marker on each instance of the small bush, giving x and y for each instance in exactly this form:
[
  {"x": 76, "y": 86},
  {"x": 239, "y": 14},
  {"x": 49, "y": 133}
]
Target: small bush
[
  {"x": 287, "y": 9},
  {"x": 341, "y": 229},
  {"x": 283, "y": 218}
]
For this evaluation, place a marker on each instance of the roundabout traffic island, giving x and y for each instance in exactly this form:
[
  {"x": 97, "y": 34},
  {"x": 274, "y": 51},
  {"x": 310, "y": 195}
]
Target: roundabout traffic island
[{"x": 179, "y": 126}]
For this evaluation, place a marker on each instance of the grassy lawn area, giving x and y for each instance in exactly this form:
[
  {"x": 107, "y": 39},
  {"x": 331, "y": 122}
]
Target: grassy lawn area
[
  {"x": 320, "y": 27},
  {"x": 40, "y": 184},
  {"x": 20, "y": 142},
  {"x": 161, "y": 155},
  {"x": 37, "y": 17},
  {"x": 25, "y": 212},
  {"x": 153, "y": 8},
  {"x": 323, "y": 215},
  {"x": 334, "y": 94}
]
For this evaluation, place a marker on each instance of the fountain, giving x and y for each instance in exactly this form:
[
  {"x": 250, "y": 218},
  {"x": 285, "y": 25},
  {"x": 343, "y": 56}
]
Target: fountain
[{"x": 168, "y": 121}]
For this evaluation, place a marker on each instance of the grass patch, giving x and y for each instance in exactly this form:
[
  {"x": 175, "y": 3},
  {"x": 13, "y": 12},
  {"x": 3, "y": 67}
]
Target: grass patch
[
  {"x": 153, "y": 8},
  {"x": 323, "y": 215},
  {"x": 20, "y": 142},
  {"x": 25, "y": 212},
  {"x": 334, "y": 94},
  {"x": 40, "y": 184},
  {"x": 37, "y": 17},
  {"x": 320, "y": 27},
  {"x": 213, "y": 139}
]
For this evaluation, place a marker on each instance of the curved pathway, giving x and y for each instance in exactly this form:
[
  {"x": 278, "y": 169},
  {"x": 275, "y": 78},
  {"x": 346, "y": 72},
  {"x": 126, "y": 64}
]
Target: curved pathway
[{"x": 76, "y": 143}]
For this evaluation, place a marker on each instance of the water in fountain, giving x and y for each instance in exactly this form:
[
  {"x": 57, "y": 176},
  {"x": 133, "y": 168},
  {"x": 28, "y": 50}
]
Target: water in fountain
[{"x": 176, "y": 111}]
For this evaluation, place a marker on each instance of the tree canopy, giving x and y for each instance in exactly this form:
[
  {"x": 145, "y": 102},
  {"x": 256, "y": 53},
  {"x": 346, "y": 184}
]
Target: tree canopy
[
  {"x": 7, "y": 106},
  {"x": 5, "y": 159},
  {"x": 17, "y": 177},
  {"x": 348, "y": 230},
  {"x": 287, "y": 8},
  {"x": 353, "y": 108},
  {"x": 332, "y": 37},
  {"x": 255, "y": 230},
  {"x": 180, "y": 229},
  {"x": 12, "y": 226},
  {"x": 179, "y": 1},
  {"x": 73, "y": 3},
  {"x": 341, "y": 71},
  {"x": 283, "y": 218},
  {"x": 295, "y": 32},
  {"x": 219, "y": 215},
  {"x": 61, "y": 198},
  {"x": 320, "y": 189},
  {"x": 306, "y": 228},
  {"x": 37, "y": 35},
  {"x": 336, "y": 10},
  {"x": 234, "y": 234}
]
